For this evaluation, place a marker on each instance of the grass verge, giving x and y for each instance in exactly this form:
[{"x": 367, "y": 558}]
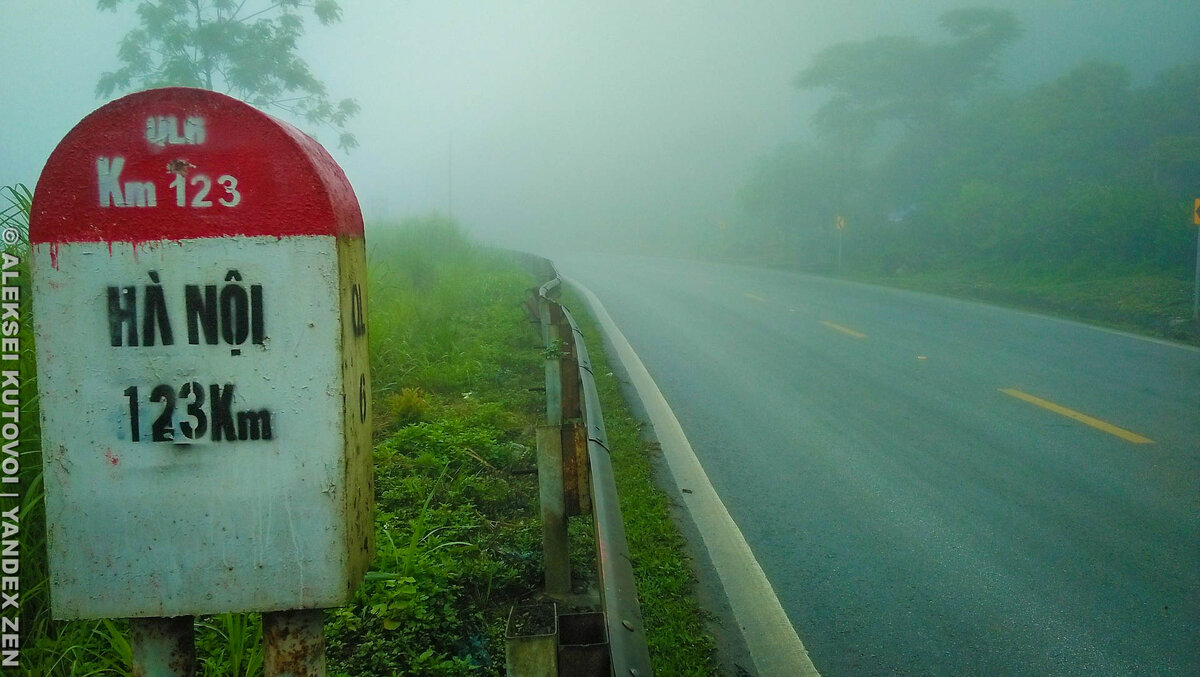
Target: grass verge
[
  {"x": 1149, "y": 302},
  {"x": 454, "y": 364}
]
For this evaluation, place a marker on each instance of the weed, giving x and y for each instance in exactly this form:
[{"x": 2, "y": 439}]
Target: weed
[
  {"x": 15, "y": 215},
  {"x": 230, "y": 645},
  {"x": 556, "y": 350},
  {"x": 407, "y": 406}
]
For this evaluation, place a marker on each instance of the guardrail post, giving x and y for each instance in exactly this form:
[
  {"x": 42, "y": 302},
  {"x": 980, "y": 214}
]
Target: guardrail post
[
  {"x": 554, "y": 395},
  {"x": 543, "y": 314},
  {"x": 294, "y": 643},
  {"x": 577, "y": 474},
  {"x": 532, "y": 306},
  {"x": 576, "y": 424},
  {"x": 163, "y": 647},
  {"x": 554, "y": 514},
  {"x": 568, "y": 368},
  {"x": 576, "y": 482}
]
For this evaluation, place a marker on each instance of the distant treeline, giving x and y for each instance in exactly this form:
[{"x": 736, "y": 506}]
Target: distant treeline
[{"x": 932, "y": 166}]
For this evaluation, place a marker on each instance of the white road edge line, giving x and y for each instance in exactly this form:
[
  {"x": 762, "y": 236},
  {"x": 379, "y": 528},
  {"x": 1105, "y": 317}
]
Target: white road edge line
[
  {"x": 1162, "y": 342},
  {"x": 774, "y": 646},
  {"x": 1024, "y": 311}
]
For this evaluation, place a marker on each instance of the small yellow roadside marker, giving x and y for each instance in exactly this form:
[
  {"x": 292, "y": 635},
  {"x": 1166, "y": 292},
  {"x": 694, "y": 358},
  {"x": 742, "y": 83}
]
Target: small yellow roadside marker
[{"x": 1082, "y": 418}]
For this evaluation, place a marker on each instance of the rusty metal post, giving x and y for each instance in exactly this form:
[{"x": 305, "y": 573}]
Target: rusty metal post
[
  {"x": 626, "y": 635},
  {"x": 568, "y": 369},
  {"x": 576, "y": 471},
  {"x": 554, "y": 401},
  {"x": 294, "y": 643},
  {"x": 574, "y": 438},
  {"x": 570, "y": 468},
  {"x": 554, "y": 514},
  {"x": 163, "y": 647}
]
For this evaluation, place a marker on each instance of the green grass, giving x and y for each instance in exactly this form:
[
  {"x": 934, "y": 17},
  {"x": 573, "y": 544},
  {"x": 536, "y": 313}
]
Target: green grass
[
  {"x": 675, "y": 624},
  {"x": 454, "y": 365}
]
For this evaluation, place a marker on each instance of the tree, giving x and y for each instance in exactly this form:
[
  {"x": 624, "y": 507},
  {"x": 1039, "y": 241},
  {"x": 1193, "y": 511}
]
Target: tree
[
  {"x": 1170, "y": 110},
  {"x": 244, "y": 48},
  {"x": 906, "y": 79}
]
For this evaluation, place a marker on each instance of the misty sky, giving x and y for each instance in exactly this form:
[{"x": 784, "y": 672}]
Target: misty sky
[{"x": 567, "y": 121}]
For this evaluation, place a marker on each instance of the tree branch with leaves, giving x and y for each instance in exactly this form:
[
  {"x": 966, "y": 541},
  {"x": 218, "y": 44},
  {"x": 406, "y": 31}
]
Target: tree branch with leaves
[
  {"x": 905, "y": 79},
  {"x": 244, "y": 48}
]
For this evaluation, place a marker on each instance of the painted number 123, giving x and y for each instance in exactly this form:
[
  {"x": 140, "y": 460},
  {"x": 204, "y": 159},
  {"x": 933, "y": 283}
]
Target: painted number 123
[{"x": 202, "y": 186}]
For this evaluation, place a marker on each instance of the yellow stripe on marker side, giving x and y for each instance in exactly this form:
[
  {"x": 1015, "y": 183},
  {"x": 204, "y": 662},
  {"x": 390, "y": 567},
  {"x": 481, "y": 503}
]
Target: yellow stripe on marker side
[
  {"x": 1075, "y": 415},
  {"x": 844, "y": 330}
]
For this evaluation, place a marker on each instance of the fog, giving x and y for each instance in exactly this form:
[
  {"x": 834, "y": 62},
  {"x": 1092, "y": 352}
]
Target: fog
[{"x": 554, "y": 123}]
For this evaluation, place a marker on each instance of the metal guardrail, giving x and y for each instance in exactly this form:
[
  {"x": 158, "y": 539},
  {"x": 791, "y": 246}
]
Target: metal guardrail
[{"x": 585, "y": 476}]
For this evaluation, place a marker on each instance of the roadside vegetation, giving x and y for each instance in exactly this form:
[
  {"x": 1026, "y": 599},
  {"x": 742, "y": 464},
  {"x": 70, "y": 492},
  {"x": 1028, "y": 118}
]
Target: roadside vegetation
[
  {"x": 458, "y": 382},
  {"x": 1144, "y": 301},
  {"x": 1072, "y": 196},
  {"x": 676, "y": 630},
  {"x": 454, "y": 363}
]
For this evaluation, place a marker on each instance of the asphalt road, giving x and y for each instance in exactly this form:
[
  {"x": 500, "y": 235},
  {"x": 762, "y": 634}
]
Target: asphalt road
[{"x": 934, "y": 487}]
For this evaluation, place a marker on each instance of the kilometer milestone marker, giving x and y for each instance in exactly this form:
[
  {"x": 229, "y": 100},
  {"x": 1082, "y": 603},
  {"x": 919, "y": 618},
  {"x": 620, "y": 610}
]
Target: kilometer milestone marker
[{"x": 198, "y": 282}]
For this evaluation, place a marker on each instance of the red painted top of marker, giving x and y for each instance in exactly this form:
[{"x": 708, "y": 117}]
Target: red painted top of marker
[{"x": 180, "y": 163}]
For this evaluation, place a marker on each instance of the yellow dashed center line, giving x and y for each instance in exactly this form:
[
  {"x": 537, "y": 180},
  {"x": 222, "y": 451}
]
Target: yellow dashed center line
[
  {"x": 752, "y": 297},
  {"x": 845, "y": 330},
  {"x": 1082, "y": 418}
]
